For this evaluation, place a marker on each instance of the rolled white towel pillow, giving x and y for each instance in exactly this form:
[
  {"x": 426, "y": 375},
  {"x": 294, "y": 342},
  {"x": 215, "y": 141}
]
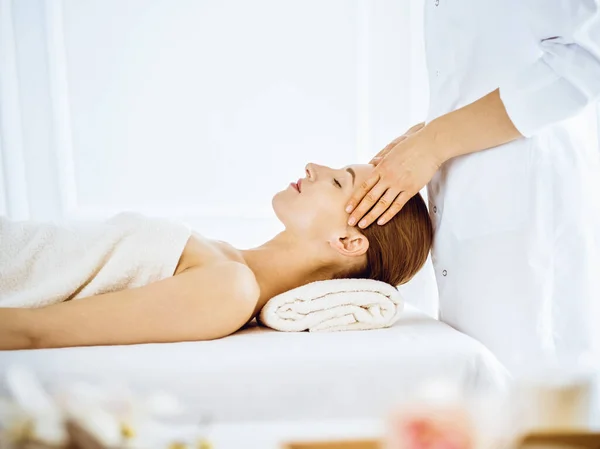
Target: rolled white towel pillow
[{"x": 334, "y": 305}]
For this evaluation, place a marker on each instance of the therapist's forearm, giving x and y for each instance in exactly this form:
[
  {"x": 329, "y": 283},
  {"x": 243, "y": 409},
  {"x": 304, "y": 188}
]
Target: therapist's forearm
[{"x": 478, "y": 126}]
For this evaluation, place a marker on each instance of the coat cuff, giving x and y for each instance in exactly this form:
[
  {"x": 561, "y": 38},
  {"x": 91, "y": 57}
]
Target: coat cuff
[
  {"x": 538, "y": 97},
  {"x": 556, "y": 87}
]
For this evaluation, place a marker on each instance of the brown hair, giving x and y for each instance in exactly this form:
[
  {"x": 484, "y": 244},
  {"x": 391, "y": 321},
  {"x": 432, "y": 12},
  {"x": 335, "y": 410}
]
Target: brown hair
[{"x": 399, "y": 248}]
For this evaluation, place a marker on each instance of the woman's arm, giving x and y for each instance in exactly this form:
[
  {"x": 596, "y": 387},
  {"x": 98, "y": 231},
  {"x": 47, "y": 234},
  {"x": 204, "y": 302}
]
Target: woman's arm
[
  {"x": 199, "y": 304},
  {"x": 13, "y": 329}
]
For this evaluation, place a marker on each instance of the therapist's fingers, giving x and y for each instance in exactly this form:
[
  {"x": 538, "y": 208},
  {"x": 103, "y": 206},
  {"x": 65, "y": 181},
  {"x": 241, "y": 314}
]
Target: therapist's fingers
[
  {"x": 379, "y": 156},
  {"x": 382, "y": 205},
  {"x": 367, "y": 204},
  {"x": 414, "y": 129},
  {"x": 376, "y": 160},
  {"x": 359, "y": 194},
  {"x": 395, "y": 207},
  {"x": 385, "y": 151}
]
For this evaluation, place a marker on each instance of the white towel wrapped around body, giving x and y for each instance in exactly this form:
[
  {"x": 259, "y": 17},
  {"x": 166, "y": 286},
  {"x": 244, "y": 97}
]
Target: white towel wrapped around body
[
  {"x": 334, "y": 305},
  {"x": 45, "y": 263}
]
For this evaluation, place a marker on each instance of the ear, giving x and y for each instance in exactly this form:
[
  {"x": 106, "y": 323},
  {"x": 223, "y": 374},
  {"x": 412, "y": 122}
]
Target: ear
[{"x": 352, "y": 244}]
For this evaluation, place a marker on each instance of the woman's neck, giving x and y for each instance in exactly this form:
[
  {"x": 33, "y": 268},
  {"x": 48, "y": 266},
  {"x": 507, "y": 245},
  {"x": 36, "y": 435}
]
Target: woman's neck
[{"x": 284, "y": 263}]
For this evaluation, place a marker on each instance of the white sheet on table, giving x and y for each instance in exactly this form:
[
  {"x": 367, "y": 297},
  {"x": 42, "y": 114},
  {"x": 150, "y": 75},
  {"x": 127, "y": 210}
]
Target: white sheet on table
[{"x": 264, "y": 374}]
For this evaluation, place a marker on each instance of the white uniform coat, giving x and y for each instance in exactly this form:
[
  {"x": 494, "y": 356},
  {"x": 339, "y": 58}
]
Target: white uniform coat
[{"x": 517, "y": 232}]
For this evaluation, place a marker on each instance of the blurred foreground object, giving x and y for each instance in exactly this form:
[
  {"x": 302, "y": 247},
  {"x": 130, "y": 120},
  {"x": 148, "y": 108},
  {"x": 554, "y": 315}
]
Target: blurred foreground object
[
  {"x": 549, "y": 408},
  {"x": 89, "y": 417},
  {"x": 555, "y": 397},
  {"x": 437, "y": 418},
  {"x": 563, "y": 440}
]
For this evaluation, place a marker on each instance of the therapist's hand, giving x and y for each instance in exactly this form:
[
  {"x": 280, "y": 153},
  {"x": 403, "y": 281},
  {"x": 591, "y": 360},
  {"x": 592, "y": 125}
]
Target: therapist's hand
[
  {"x": 379, "y": 156},
  {"x": 402, "y": 169},
  {"x": 411, "y": 162}
]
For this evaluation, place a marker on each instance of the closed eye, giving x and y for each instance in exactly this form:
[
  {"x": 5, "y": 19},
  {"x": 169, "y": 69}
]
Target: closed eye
[{"x": 337, "y": 183}]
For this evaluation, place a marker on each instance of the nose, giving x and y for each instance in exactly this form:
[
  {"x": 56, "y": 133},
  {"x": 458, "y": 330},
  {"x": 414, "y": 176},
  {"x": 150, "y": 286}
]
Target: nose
[{"x": 310, "y": 170}]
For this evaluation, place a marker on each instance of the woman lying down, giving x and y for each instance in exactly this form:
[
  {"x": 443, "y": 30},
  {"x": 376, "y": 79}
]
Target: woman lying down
[{"x": 145, "y": 280}]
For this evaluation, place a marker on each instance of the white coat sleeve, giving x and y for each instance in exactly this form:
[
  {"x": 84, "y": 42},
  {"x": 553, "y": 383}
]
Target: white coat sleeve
[{"x": 566, "y": 77}]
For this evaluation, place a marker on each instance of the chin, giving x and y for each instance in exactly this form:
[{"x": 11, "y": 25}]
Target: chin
[{"x": 281, "y": 206}]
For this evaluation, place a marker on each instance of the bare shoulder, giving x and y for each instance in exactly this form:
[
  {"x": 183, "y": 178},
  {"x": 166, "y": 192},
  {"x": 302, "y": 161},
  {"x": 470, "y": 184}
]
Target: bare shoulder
[
  {"x": 226, "y": 273},
  {"x": 202, "y": 252},
  {"x": 230, "y": 292},
  {"x": 221, "y": 271},
  {"x": 241, "y": 278}
]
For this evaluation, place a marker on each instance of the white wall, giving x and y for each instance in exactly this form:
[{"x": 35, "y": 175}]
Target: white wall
[
  {"x": 159, "y": 104},
  {"x": 198, "y": 110}
]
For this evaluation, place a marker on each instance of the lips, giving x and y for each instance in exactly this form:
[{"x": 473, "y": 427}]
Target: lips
[{"x": 299, "y": 185}]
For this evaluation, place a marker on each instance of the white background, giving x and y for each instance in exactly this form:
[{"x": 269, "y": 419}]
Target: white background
[{"x": 199, "y": 109}]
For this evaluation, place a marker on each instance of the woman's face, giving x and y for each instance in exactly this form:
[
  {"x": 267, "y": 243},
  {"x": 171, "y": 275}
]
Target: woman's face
[{"x": 314, "y": 205}]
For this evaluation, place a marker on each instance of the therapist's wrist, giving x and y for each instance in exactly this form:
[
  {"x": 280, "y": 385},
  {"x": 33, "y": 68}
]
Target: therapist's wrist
[{"x": 475, "y": 127}]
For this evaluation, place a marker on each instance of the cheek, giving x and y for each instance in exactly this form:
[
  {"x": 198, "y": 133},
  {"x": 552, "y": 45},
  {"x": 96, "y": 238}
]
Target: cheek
[
  {"x": 324, "y": 210},
  {"x": 313, "y": 210},
  {"x": 306, "y": 210},
  {"x": 293, "y": 209}
]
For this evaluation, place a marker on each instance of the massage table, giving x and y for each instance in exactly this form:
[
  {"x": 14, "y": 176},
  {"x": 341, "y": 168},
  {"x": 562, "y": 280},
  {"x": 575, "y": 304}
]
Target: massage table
[{"x": 261, "y": 374}]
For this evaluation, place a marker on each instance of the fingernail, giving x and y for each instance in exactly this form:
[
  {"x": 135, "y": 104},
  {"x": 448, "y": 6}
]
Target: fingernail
[
  {"x": 362, "y": 224},
  {"x": 352, "y": 221},
  {"x": 380, "y": 221},
  {"x": 348, "y": 209}
]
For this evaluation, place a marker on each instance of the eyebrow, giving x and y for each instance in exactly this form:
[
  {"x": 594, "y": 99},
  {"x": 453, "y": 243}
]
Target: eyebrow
[{"x": 349, "y": 170}]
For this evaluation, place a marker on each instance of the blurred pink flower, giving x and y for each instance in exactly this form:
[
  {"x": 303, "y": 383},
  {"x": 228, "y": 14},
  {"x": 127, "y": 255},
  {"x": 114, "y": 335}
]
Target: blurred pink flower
[{"x": 447, "y": 429}]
